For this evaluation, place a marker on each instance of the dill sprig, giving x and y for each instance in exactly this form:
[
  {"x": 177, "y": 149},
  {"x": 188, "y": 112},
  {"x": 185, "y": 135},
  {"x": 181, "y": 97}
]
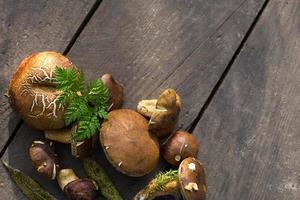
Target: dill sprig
[
  {"x": 161, "y": 179},
  {"x": 85, "y": 105}
]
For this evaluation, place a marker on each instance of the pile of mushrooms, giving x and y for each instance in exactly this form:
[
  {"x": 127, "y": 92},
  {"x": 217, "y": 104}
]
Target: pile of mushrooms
[
  {"x": 45, "y": 161},
  {"x": 130, "y": 139}
]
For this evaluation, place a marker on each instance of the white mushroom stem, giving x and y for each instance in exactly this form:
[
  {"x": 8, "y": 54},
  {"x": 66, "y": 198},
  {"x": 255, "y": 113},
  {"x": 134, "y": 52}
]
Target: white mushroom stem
[
  {"x": 60, "y": 135},
  {"x": 66, "y": 176},
  {"x": 147, "y": 107}
]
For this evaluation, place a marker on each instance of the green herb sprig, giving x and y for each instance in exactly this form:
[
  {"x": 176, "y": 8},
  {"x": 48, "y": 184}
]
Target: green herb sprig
[
  {"x": 86, "y": 105},
  {"x": 161, "y": 179}
]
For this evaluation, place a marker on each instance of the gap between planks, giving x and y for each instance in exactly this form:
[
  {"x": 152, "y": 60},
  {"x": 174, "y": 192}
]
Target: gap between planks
[
  {"x": 65, "y": 52},
  {"x": 190, "y": 128}
]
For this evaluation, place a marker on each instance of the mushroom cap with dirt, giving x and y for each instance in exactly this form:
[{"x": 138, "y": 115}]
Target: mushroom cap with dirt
[
  {"x": 192, "y": 179},
  {"x": 127, "y": 143},
  {"x": 179, "y": 146},
  {"x": 32, "y": 93},
  {"x": 163, "y": 112}
]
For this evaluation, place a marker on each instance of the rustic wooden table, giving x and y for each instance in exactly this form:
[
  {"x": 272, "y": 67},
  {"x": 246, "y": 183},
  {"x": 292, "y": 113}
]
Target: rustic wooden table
[{"x": 235, "y": 63}]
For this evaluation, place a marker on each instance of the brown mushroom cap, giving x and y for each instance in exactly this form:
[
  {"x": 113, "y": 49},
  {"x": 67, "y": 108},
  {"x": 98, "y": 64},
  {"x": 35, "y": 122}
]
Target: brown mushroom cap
[
  {"x": 192, "y": 179},
  {"x": 43, "y": 159},
  {"x": 81, "y": 189},
  {"x": 127, "y": 144},
  {"x": 115, "y": 91},
  {"x": 164, "y": 112},
  {"x": 179, "y": 146},
  {"x": 31, "y": 92}
]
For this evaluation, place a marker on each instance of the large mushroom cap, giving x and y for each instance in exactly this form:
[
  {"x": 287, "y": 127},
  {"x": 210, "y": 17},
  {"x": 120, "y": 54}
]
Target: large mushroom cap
[
  {"x": 192, "y": 179},
  {"x": 32, "y": 93},
  {"x": 164, "y": 112},
  {"x": 127, "y": 144}
]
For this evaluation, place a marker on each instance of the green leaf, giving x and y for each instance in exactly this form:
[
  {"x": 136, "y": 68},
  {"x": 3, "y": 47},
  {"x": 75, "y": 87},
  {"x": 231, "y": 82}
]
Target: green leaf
[
  {"x": 85, "y": 105},
  {"x": 75, "y": 110},
  {"x": 87, "y": 128},
  {"x": 97, "y": 93},
  {"x": 31, "y": 189},
  {"x": 99, "y": 175}
]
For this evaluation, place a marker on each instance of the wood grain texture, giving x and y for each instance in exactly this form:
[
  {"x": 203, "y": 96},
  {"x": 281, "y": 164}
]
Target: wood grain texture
[
  {"x": 149, "y": 46},
  {"x": 27, "y": 27},
  {"x": 249, "y": 135}
]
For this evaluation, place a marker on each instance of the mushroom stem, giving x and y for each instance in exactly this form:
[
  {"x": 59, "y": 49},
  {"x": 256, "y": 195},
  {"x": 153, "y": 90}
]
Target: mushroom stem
[
  {"x": 163, "y": 184},
  {"x": 76, "y": 188},
  {"x": 59, "y": 135},
  {"x": 66, "y": 176},
  {"x": 147, "y": 107}
]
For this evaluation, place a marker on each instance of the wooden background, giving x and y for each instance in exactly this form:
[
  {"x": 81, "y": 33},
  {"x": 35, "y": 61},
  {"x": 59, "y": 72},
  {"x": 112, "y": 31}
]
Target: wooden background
[{"x": 235, "y": 64}]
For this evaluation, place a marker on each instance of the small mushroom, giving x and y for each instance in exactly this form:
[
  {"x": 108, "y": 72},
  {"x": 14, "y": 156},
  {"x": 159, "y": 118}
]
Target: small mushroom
[
  {"x": 75, "y": 188},
  {"x": 43, "y": 159},
  {"x": 32, "y": 92},
  {"x": 163, "y": 184},
  {"x": 180, "y": 146},
  {"x": 163, "y": 112},
  {"x": 192, "y": 179},
  {"x": 115, "y": 91},
  {"x": 81, "y": 149},
  {"x": 127, "y": 143}
]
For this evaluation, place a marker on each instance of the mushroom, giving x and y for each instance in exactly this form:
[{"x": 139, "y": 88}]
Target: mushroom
[
  {"x": 32, "y": 93},
  {"x": 192, "y": 179},
  {"x": 163, "y": 112},
  {"x": 189, "y": 181},
  {"x": 59, "y": 135},
  {"x": 127, "y": 143},
  {"x": 180, "y": 146},
  {"x": 79, "y": 149},
  {"x": 43, "y": 159},
  {"x": 163, "y": 184},
  {"x": 75, "y": 188},
  {"x": 115, "y": 91}
]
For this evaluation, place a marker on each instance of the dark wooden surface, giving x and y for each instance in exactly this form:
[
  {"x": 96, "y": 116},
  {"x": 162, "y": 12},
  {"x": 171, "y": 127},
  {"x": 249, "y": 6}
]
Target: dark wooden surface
[
  {"x": 149, "y": 46},
  {"x": 187, "y": 45},
  {"x": 250, "y": 132},
  {"x": 27, "y": 27}
]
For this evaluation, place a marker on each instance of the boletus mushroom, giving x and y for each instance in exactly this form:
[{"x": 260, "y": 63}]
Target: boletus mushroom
[
  {"x": 189, "y": 181},
  {"x": 127, "y": 143},
  {"x": 75, "y": 188},
  {"x": 163, "y": 112},
  {"x": 32, "y": 93},
  {"x": 44, "y": 159},
  {"x": 79, "y": 149},
  {"x": 192, "y": 179},
  {"x": 180, "y": 146},
  {"x": 115, "y": 90}
]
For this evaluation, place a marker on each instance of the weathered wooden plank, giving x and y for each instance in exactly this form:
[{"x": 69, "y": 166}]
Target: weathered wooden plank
[
  {"x": 249, "y": 135},
  {"x": 27, "y": 27},
  {"x": 144, "y": 43}
]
